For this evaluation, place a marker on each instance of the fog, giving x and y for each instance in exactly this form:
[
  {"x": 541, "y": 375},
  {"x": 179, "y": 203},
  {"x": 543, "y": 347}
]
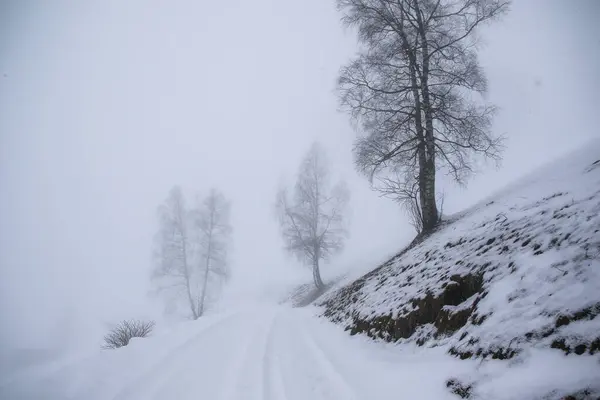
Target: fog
[{"x": 104, "y": 106}]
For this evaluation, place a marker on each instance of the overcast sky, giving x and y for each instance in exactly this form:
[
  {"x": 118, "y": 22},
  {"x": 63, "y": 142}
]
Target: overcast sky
[{"x": 105, "y": 105}]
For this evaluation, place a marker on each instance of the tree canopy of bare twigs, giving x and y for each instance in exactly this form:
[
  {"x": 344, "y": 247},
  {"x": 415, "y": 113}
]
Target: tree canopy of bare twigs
[
  {"x": 120, "y": 335},
  {"x": 312, "y": 217},
  {"x": 416, "y": 92}
]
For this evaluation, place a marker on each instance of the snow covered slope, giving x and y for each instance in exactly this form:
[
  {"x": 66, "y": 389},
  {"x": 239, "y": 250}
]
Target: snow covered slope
[
  {"x": 516, "y": 277},
  {"x": 516, "y": 272}
]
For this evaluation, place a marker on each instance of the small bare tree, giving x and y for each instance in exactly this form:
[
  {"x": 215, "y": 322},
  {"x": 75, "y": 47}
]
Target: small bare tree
[
  {"x": 120, "y": 335},
  {"x": 212, "y": 239},
  {"x": 312, "y": 219},
  {"x": 416, "y": 90},
  {"x": 173, "y": 249},
  {"x": 404, "y": 191}
]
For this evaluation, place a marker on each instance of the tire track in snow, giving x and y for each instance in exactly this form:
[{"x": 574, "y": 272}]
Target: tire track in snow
[
  {"x": 328, "y": 366},
  {"x": 272, "y": 376},
  {"x": 176, "y": 356},
  {"x": 245, "y": 374}
]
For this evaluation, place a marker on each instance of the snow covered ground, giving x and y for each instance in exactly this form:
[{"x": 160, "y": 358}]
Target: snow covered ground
[
  {"x": 280, "y": 353},
  {"x": 258, "y": 353},
  {"x": 516, "y": 283}
]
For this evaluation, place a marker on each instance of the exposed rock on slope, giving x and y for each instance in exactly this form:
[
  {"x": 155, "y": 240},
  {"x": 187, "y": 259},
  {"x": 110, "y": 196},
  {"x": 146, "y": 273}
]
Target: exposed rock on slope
[{"x": 520, "y": 270}]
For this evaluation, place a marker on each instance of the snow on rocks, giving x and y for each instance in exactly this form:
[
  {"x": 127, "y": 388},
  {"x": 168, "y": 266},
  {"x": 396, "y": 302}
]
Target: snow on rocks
[{"x": 520, "y": 270}]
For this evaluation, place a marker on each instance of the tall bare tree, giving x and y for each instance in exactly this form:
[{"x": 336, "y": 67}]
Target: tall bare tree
[
  {"x": 173, "y": 251},
  {"x": 212, "y": 238},
  {"x": 312, "y": 218},
  {"x": 416, "y": 91}
]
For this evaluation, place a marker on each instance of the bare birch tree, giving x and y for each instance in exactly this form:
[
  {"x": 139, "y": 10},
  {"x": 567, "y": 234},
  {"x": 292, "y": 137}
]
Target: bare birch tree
[
  {"x": 174, "y": 270},
  {"x": 312, "y": 218},
  {"x": 212, "y": 239},
  {"x": 416, "y": 91}
]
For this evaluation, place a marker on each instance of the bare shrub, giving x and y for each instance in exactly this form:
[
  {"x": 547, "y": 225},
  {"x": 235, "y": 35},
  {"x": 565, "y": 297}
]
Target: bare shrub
[{"x": 120, "y": 335}]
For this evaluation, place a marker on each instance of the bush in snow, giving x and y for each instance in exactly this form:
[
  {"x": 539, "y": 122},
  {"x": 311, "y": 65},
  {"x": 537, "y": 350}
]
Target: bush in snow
[{"x": 120, "y": 335}]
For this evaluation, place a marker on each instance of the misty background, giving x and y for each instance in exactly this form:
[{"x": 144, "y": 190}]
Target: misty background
[{"x": 104, "y": 106}]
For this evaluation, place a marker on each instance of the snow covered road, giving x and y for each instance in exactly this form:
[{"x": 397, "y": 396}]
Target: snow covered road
[
  {"x": 258, "y": 353},
  {"x": 273, "y": 353},
  {"x": 283, "y": 353}
]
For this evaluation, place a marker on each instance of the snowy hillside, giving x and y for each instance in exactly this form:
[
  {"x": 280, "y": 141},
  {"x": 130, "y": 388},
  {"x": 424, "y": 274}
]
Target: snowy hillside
[
  {"x": 500, "y": 303},
  {"x": 519, "y": 271}
]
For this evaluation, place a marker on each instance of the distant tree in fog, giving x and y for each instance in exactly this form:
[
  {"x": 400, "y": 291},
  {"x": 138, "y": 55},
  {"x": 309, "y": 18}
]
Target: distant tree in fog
[
  {"x": 211, "y": 235},
  {"x": 191, "y": 248},
  {"x": 312, "y": 216},
  {"x": 174, "y": 270},
  {"x": 415, "y": 90}
]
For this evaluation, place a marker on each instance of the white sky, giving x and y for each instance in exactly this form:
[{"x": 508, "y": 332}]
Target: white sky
[{"x": 105, "y": 105}]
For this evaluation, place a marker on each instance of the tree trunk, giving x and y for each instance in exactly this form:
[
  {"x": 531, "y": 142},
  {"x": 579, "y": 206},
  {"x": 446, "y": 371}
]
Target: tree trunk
[
  {"x": 317, "y": 274},
  {"x": 429, "y": 210},
  {"x": 207, "y": 267},
  {"x": 204, "y": 284},
  {"x": 193, "y": 307},
  {"x": 207, "y": 262},
  {"x": 190, "y": 299},
  {"x": 425, "y": 156}
]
